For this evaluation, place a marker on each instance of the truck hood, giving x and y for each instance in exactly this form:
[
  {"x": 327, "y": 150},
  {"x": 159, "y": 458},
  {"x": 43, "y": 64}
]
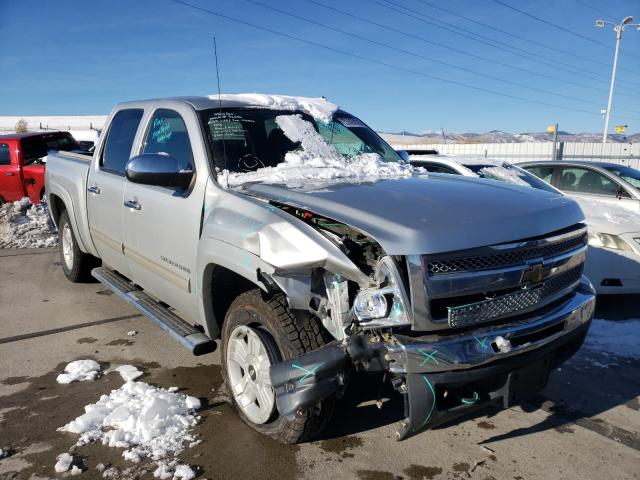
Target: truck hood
[{"x": 424, "y": 214}]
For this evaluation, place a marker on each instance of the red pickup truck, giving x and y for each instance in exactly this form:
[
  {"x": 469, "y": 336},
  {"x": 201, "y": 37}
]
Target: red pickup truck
[{"x": 21, "y": 164}]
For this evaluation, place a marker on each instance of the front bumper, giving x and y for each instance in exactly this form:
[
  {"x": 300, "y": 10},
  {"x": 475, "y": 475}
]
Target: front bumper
[{"x": 445, "y": 376}]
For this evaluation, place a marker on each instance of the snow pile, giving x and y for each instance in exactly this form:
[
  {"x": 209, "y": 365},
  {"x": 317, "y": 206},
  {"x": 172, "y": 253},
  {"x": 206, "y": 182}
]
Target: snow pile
[
  {"x": 317, "y": 160},
  {"x": 173, "y": 470},
  {"x": 319, "y": 108},
  {"x": 147, "y": 421},
  {"x": 128, "y": 372},
  {"x": 23, "y": 225},
  {"x": 4, "y": 452},
  {"x": 64, "y": 462},
  {"x": 132, "y": 333},
  {"x": 79, "y": 371},
  {"x": 619, "y": 337}
]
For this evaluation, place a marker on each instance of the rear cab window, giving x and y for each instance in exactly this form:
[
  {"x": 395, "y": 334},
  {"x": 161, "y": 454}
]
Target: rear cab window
[
  {"x": 119, "y": 141},
  {"x": 37, "y": 147}
]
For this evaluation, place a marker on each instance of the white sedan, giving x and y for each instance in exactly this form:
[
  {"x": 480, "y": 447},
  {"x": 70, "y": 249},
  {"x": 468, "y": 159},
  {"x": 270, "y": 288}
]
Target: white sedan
[{"x": 613, "y": 259}]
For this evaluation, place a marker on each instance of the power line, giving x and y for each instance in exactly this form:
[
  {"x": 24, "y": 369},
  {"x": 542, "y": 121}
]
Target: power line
[
  {"x": 588, "y": 5},
  {"x": 378, "y": 62},
  {"x": 553, "y": 48},
  {"x": 447, "y": 47},
  {"x": 554, "y": 25},
  {"x": 505, "y": 47},
  {"x": 423, "y": 57}
]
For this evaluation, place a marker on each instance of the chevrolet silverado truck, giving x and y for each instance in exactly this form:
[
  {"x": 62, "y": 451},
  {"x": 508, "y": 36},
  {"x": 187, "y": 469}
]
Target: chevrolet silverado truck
[{"x": 289, "y": 230}]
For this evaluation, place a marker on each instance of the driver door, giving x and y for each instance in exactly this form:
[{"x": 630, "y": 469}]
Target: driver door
[{"x": 162, "y": 224}]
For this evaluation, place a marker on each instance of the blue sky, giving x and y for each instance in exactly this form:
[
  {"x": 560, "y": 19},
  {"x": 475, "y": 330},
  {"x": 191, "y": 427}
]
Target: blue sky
[{"x": 78, "y": 58}]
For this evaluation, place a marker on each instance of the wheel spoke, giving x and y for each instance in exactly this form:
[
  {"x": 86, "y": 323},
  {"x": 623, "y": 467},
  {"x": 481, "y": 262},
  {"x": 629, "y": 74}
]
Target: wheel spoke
[{"x": 265, "y": 398}]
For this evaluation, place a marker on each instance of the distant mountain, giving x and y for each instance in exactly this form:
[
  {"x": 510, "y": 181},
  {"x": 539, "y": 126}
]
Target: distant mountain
[{"x": 497, "y": 136}]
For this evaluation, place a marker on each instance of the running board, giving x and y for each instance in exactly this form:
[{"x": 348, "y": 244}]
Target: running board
[{"x": 186, "y": 334}]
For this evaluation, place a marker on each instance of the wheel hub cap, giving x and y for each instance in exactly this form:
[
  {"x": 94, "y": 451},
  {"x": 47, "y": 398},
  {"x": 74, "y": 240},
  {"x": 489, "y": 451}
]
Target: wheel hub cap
[{"x": 248, "y": 369}]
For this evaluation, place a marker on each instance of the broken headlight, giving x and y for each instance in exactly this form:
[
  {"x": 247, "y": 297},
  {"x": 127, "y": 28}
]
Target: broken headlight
[{"x": 386, "y": 305}]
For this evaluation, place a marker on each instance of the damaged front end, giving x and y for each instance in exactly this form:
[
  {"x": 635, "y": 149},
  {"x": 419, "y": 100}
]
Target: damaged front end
[{"x": 387, "y": 321}]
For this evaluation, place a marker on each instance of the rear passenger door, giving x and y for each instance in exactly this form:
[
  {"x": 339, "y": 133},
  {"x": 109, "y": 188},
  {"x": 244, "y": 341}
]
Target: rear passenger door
[
  {"x": 105, "y": 188},
  {"x": 161, "y": 233},
  {"x": 10, "y": 181}
]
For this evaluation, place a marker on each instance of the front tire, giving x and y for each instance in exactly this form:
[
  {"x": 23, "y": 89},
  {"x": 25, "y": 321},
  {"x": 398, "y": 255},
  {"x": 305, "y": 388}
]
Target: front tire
[
  {"x": 76, "y": 264},
  {"x": 258, "y": 332}
]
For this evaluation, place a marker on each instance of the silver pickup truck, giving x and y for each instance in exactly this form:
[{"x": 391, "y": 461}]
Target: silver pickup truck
[{"x": 289, "y": 230}]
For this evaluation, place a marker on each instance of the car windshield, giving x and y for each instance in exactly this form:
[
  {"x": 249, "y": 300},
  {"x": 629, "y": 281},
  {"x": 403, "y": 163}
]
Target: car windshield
[
  {"x": 36, "y": 147},
  {"x": 249, "y": 139},
  {"x": 509, "y": 173},
  {"x": 629, "y": 175}
]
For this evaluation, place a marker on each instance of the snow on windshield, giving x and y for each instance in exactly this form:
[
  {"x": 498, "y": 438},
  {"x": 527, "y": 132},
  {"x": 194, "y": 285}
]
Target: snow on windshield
[
  {"x": 317, "y": 160},
  {"x": 319, "y": 108}
]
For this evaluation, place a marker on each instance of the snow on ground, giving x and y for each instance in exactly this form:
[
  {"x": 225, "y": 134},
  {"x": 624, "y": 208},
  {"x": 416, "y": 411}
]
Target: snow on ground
[
  {"x": 23, "y": 225},
  {"x": 318, "y": 161},
  {"x": 128, "y": 372},
  {"x": 619, "y": 337},
  {"x": 79, "y": 371},
  {"x": 146, "y": 421},
  {"x": 64, "y": 463},
  {"x": 319, "y": 108}
]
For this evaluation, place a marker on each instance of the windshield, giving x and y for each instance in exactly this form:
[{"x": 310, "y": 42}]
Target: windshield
[
  {"x": 244, "y": 140},
  {"x": 629, "y": 175},
  {"x": 509, "y": 173}
]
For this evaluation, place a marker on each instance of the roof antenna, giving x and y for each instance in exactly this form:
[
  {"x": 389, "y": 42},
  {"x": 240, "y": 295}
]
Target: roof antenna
[{"x": 224, "y": 149}]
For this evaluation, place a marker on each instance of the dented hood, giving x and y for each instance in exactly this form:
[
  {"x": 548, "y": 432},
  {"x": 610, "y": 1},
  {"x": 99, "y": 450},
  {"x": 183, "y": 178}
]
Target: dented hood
[{"x": 431, "y": 214}]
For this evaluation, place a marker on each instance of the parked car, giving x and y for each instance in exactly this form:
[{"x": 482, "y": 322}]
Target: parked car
[
  {"x": 480, "y": 167},
  {"x": 610, "y": 183},
  {"x": 21, "y": 164},
  {"x": 291, "y": 231}
]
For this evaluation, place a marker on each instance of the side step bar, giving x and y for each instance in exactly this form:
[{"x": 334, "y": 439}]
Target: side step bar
[{"x": 186, "y": 334}]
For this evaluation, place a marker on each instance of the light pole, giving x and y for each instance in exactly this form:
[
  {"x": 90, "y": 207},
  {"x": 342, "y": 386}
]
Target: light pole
[{"x": 618, "y": 30}]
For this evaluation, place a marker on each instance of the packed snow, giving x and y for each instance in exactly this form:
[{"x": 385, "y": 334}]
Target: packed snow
[
  {"x": 128, "y": 372},
  {"x": 318, "y": 161},
  {"x": 79, "y": 371},
  {"x": 147, "y": 421},
  {"x": 63, "y": 463},
  {"x": 616, "y": 337},
  {"x": 23, "y": 225},
  {"x": 319, "y": 108}
]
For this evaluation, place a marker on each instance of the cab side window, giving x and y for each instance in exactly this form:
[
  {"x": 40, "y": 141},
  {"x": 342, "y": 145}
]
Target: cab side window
[
  {"x": 543, "y": 173},
  {"x": 122, "y": 132},
  {"x": 584, "y": 180},
  {"x": 5, "y": 157},
  {"x": 167, "y": 133}
]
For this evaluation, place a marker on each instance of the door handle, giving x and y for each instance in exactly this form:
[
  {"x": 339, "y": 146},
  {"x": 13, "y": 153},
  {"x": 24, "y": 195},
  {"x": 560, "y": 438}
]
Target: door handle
[
  {"x": 132, "y": 204},
  {"x": 9, "y": 174},
  {"x": 93, "y": 189}
]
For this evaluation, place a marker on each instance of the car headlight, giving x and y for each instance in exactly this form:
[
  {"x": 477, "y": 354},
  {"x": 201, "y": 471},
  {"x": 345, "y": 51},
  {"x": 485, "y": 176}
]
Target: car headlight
[
  {"x": 386, "y": 305},
  {"x": 608, "y": 240}
]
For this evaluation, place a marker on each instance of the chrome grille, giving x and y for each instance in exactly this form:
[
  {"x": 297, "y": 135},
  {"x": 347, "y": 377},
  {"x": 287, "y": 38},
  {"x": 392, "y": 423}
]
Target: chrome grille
[
  {"x": 513, "y": 303},
  {"x": 503, "y": 259}
]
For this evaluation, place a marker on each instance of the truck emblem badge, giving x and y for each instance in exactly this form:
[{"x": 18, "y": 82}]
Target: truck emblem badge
[{"x": 534, "y": 274}]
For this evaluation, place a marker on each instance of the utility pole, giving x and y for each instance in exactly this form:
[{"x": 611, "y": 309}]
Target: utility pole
[
  {"x": 555, "y": 142},
  {"x": 618, "y": 29}
]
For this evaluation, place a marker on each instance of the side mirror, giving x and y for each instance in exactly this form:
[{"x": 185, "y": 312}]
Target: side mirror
[
  {"x": 160, "y": 169},
  {"x": 403, "y": 154}
]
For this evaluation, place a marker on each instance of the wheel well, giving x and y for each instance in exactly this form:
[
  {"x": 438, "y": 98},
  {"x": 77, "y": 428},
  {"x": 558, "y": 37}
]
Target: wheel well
[
  {"x": 220, "y": 288},
  {"x": 57, "y": 207}
]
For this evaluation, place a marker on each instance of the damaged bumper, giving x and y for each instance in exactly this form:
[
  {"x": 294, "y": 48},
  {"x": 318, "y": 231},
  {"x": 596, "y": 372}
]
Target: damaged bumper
[{"x": 444, "y": 376}]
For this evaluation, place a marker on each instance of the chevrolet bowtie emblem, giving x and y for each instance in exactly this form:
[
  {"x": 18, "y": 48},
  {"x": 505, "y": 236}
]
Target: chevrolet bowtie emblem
[{"x": 534, "y": 274}]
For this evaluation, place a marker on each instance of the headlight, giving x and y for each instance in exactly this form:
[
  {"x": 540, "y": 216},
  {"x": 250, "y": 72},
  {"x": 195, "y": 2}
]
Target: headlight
[
  {"x": 607, "y": 240},
  {"x": 385, "y": 306}
]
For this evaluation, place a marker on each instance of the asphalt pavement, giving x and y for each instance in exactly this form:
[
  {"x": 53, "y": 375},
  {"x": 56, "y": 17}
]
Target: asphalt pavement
[{"x": 584, "y": 425}]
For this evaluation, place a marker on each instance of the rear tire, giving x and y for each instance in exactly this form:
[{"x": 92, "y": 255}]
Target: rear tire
[
  {"x": 279, "y": 335},
  {"x": 76, "y": 264}
]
